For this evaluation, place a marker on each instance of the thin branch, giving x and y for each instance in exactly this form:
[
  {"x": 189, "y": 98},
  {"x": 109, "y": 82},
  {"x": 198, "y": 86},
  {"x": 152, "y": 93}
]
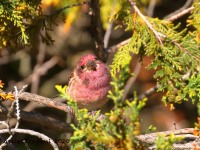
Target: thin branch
[
  {"x": 149, "y": 25},
  {"x": 180, "y": 14},
  {"x": 149, "y": 92},
  {"x": 115, "y": 47},
  {"x": 110, "y": 26},
  {"x": 41, "y": 70},
  {"x": 197, "y": 58},
  {"x": 185, "y": 6},
  {"x": 10, "y": 111},
  {"x": 107, "y": 35},
  {"x": 40, "y": 60},
  {"x": 131, "y": 81},
  {"x": 33, "y": 133},
  {"x": 17, "y": 104},
  {"x": 9, "y": 116},
  {"x": 151, "y": 8}
]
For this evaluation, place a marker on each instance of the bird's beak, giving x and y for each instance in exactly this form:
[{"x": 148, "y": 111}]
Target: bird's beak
[{"x": 91, "y": 65}]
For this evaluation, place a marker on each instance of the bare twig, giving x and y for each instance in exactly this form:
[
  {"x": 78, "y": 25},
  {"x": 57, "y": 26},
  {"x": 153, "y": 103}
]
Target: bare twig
[
  {"x": 151, "y": 7},
  {"x": 9, "y": 116},
  {"x": 131, "y": 80},
  {"x": 10, "y": 111},
  {"x": 115, "y": 47},
  {"x": 40, "y": 60},
  {"x": 17, "y": 104},
  {"x": 149, "y": 25},
  {"x": 107, "y": 35},
  {"x": 110, "y": 26},
  {"x": 180, "y": 14},
  {"x": 41, "y": 70},
  {"x": 185, "y": 6},
  {"x": 33, "y": 133},
  {"x": 149, "y": 92}
]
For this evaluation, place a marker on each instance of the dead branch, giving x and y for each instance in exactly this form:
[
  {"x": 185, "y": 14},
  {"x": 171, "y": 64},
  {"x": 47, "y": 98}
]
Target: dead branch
[
  {"x": 33, "y": 133},
  {"x": 45, "y": 121},
  {"x": 188, "y": 139},
  {"x": 180, "y": 10},
  {"x": 40, "y": 70},
  {"x": 45, "y": 101}
]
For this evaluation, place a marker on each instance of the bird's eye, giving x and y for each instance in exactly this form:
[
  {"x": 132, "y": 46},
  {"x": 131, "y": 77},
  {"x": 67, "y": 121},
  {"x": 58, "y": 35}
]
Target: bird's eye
[{"x": 82, "y": 67}]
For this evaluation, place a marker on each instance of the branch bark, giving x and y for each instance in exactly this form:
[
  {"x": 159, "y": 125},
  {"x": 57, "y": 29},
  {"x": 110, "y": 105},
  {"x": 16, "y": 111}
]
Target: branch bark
[
  {"x": 98, "y": 30},
  {"x": 45, "y": 101},
  {"x": 189, "y": 140}
]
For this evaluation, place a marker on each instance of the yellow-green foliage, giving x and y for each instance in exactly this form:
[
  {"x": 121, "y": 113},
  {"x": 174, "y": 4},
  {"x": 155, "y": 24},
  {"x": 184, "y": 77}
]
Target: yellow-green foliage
[
  {"x": 110, "y": 8},
  {"x": 175, "y": 55},
  {"x": 195, "y": 16},
  {"x": 14, "y": 17},
  {"x": 166, "y": 143}
]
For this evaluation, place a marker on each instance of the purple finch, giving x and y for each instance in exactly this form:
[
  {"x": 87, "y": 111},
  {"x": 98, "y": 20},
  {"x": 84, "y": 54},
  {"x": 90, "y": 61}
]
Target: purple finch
[{"x": 89, "y": 83}]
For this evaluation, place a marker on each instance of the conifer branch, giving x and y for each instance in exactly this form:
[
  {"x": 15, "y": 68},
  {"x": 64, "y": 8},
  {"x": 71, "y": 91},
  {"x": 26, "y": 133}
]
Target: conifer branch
[
  {"x": 149, "y": 25},
  {"x": 159, "y": 36},
  {"x": 172, "y": 18}
]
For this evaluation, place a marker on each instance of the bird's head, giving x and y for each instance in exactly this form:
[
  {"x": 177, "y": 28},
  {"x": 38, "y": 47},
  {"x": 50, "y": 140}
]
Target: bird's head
[{"x": 88, "y": 62}]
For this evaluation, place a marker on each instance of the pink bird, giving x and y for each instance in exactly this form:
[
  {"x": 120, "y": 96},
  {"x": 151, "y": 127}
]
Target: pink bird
[{"x": 89, "y": 83}]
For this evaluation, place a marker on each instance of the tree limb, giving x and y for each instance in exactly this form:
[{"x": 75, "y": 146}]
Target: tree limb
[
  {"x": 45, "y": 101},
  {"x": 97, "y": 30}
]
